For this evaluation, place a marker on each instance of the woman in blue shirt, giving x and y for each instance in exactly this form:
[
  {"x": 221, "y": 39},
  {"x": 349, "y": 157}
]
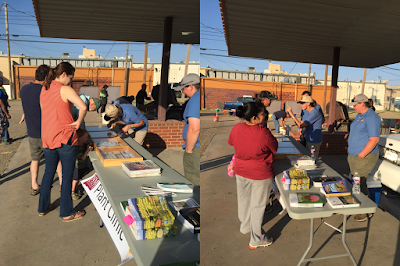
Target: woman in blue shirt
[{"x": 312, "y": 122}]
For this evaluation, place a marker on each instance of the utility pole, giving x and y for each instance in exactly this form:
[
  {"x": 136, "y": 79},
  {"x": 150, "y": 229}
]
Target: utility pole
[
  {"x": 187, "y": 59},
  {"x": 146, "y": 47},
  {"x": 308, "y": 80},
  {"x": 363, "y": 81},
  {"x": 9, "y": 55},
  {"x": 126, "y": 71}
]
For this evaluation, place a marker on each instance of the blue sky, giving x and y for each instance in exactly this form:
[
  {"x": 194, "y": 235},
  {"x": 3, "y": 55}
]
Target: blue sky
[
  {"x": 212, "y": 37},
  {"x": 25, "y": 24}
]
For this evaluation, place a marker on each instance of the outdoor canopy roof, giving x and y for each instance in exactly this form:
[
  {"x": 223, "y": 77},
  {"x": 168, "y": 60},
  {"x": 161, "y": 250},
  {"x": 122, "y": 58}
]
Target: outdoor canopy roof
[
  {"x": 119, "y": 20},
  {"x": 367, "y": 31}
]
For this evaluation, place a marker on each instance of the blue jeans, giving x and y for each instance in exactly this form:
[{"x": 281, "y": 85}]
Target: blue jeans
[
  {"x": 67, "y": 155},
  {"x": 5, "y": 135},
  {"x": 276, "y": 123}
]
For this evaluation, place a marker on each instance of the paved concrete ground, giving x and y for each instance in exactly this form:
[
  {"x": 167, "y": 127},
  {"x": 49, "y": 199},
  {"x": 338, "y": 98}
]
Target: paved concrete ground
[
  {"x": 26, "y": 238},
  {"x": 376, "y": 242}
]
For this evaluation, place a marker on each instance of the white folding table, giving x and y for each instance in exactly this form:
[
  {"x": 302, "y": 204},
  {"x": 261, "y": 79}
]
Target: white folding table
[{"x": 366, "y": 204}]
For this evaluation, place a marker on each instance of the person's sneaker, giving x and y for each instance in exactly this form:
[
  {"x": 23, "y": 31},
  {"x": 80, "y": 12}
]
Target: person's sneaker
[
  {"x": 264, "y": 244},
  {"x": 268, "y": 209},
  {"x": 361, "y": 217},
  {"x": 75, "y": 196},
  {"x": 5, "y": 143}
]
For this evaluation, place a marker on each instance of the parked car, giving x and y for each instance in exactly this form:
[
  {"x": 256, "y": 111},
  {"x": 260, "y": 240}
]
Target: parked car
[
  {"x": 240, "y": 101},
  {"x": 178, "y": 94}
]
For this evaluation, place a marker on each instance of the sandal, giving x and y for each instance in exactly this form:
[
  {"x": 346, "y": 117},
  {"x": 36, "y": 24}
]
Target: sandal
[
  {"x": 75, "y": 196},
  {"x": 49, "y": 209},
  {"x": 34, "y": 192},
  {"x": 76, "y": 216}
]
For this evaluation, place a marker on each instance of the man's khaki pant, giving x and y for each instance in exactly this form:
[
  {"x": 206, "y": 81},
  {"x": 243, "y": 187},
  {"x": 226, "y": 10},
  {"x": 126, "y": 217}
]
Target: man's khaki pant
[{"x": 137, "y": 136}]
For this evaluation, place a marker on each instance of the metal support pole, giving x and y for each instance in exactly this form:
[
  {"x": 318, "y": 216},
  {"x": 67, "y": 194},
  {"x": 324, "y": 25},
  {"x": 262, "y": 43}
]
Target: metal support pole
[
  {"x": 146, "y": 47},
  {"x": 164, "y": 88},
  {"x": 332, "y": 102}
]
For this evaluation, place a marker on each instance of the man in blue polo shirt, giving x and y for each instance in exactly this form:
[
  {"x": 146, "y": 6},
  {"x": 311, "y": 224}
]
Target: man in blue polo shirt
[
  {"x": 363, "y": 141},
  {"x": 190, "y": 86},
  {"x": 134, "y": 121}
]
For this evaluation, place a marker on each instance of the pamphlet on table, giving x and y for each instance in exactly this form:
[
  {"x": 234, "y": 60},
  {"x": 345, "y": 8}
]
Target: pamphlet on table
[{"x": 305, "y": 200}]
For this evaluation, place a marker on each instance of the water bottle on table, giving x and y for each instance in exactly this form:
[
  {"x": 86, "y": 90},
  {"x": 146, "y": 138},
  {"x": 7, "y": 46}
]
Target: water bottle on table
[
  {"x": 312, "y": 153},
  {"x": 356, "y": 183}
]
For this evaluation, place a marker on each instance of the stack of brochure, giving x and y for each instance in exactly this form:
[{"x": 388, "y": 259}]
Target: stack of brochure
[
  {"x": 155, "y": 191},
  {"x": 175, "y": 187},
  {"x": 141, "y": 168},
  {"x": 149, "y": 217}
]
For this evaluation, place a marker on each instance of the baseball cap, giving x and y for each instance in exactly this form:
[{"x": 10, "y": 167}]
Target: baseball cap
[
  {"x": 306, "y": 99},
  {"x": 111, "y": 110},
  {"x": 359, "y": 98},
  {"x": 97, "y": 102},
  {"x": 189, "y": 79},
  {"x": 267, "y": 95}
]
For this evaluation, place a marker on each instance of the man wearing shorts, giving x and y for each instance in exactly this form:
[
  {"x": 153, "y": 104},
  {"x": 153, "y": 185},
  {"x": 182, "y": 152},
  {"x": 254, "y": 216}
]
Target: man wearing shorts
[{"x": 30, "y": 98}]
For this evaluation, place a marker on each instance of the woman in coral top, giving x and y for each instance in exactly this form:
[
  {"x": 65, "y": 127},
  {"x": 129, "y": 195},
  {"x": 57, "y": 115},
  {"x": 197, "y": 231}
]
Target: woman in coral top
[
  {"x": 59, "y": 137},
  {"x": 254, "y": 156}
]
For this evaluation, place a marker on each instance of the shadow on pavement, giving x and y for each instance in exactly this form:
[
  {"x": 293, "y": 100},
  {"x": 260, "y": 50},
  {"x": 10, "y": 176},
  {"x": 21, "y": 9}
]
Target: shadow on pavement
[
  {"x": 17, "y": 172},
  {"x": 215, "y": 163},
  {"x": 366, "y": 229},
  {"x": 20, "y": 138},
  {"x": 277, "y": 228}
]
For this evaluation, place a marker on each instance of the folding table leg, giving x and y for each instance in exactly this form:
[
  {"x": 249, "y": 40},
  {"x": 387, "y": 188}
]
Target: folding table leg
[
  {"x": 311, "y": 242},
  {"x": 344, "y": 240}
]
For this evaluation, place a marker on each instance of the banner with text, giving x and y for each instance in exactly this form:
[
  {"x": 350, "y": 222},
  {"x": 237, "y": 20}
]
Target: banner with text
[{"x": 95, "y": 191}]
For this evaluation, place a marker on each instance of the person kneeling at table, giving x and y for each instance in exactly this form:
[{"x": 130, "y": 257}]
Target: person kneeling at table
[{"x": 136, "y": 124}]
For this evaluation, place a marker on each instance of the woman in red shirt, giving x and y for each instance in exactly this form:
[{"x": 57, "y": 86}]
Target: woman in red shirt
[
  {"x": 59, "y": 137},
  {"x": 254, "y": 156}
]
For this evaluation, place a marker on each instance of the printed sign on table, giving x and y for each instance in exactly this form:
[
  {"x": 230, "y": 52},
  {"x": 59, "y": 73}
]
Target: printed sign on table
[{"x": 95, "y": 191}]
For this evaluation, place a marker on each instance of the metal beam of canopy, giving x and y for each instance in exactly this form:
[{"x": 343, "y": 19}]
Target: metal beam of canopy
[
  {"x": 122, "y": 20},
  {"x": 361, "y": 33}
]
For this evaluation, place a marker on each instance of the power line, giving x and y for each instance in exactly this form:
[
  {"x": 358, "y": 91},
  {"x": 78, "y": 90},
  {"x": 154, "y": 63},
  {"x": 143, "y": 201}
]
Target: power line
[
  {"x": 212, "y": 40},
  {"x": 218, "y": 30},
  {"x": 24, "y": 49},
  {"x": 203, "y": 49},
  {"x": 392, "y": 68},
  {"x": 211, "y": 62},
  {"x": 213, "y": 35},
  {"x": 389, "y": 73},
  {"x": 21, "y": 11},
  {"x": 234, "y": 56},
  {"x": 110, "y": 49},
  {"x": 22, "y": 24},
  {"x": 82, "y": 43}
]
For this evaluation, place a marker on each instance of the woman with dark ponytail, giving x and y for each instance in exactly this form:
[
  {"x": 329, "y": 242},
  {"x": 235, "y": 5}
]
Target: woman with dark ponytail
[
  {"x": 59, "y": 138},
  {"x": 254, "y": 156}
]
